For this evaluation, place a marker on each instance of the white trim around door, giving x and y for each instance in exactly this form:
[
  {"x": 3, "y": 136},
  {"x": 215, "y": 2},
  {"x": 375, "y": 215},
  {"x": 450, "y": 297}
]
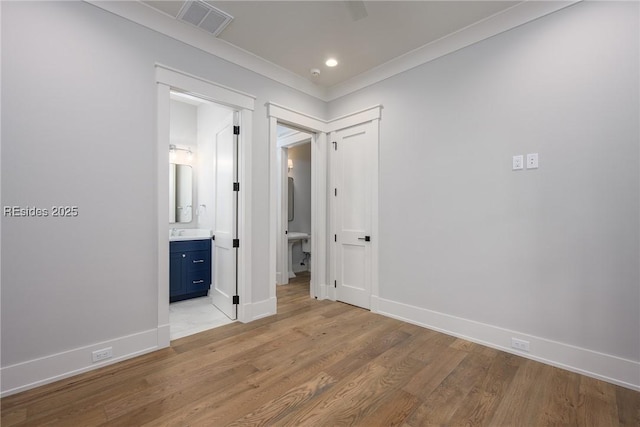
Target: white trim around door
[
  {"x": 277, "y": 238},
  {"x": 320, "y": 245},
  {"x": 168, "y": 79}
]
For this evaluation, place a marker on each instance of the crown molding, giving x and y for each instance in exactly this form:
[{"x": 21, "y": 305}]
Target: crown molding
[
  {"x": 506, "y": 20},
  {"x": 147, "y": 17}
]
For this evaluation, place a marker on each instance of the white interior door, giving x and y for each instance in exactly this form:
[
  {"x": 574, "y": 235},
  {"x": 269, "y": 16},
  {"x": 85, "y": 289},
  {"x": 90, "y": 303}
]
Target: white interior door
[
  {"x": 352, "y": 212},
  {"x": 225, "y": 256}
]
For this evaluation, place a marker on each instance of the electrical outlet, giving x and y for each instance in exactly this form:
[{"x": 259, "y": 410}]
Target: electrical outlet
[
  {"x": 105, "y": 353},
  {"x": 520, "y": 344},
  {"x": 518, "y": 162},
  {"x": 532, "y": 161}
]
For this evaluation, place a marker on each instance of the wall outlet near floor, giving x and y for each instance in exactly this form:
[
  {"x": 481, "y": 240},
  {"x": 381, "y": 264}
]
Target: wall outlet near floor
[
  {"x": 105, "y": 353},
  {"x": 520, "y": 344}
]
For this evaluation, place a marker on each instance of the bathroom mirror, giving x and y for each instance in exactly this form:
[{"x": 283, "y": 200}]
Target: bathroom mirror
[
  {"x": 180, "y": 193},
  {"x": 290, "y": 199}
]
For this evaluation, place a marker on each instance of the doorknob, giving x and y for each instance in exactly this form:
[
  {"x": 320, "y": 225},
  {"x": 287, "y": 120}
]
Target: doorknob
[{"x": 365, "y": 238}]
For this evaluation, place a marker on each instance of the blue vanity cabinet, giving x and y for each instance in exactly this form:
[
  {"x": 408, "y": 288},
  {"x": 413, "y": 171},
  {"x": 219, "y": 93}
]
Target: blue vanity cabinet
[
  {"x": 189, "y": 269},
  {"x": 177, "y": 284}
]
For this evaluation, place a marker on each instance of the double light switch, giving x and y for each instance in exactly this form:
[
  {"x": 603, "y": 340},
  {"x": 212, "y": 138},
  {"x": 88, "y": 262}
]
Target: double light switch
[{"x": 519, "y": 161}]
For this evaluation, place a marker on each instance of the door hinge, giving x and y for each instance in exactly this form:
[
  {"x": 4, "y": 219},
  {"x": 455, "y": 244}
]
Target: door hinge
[
  {"x": 335, "y": 146},
  {"x": 236, "y": 299},
  {"x": 236, "y": 186},
  {"x": 236, "y": 130},
  {"x": 335, "y": 237},
  {"x": 236, "y": 243},
  {"x": 335, "y": 192},
  {"x": 335, "y": 283}
]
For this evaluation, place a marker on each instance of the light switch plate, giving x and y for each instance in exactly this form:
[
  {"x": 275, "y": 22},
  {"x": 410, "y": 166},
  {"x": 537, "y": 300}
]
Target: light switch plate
[
  {"x": 532, "y": 161},
  {"x": 518, "y": 162}
]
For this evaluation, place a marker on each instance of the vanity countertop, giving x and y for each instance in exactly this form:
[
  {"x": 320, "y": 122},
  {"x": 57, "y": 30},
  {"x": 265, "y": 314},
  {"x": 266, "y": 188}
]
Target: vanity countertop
[{"x": 181, "y": 234}]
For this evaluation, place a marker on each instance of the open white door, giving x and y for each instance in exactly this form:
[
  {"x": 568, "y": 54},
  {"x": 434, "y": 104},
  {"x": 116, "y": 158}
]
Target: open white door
[
  {"x": 353, "y": 169},
  {"x": 224, "y": 287}
]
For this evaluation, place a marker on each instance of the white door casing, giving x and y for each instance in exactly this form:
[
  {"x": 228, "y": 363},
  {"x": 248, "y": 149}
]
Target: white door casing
[
  {"x": 168, "y": 79},
  {"x": 323, "y": 250},
  {"x": 277, "y": 239},
  {"x": 224, "y": 285},
  {"x": 352, "y": 212}
]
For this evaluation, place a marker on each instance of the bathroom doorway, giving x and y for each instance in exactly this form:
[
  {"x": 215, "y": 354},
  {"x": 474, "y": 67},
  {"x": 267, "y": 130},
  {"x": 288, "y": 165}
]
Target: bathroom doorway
[
  {"x": 326, "y": 136},
  {"x": 202, "y": 214},
  {"x": 232, "y": 214},
  {"x": 294, "y": 258}
]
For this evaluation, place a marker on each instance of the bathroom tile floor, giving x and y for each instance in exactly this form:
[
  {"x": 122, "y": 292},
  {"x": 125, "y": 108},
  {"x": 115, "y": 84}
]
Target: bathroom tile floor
[{"x": 194, "y": 315}]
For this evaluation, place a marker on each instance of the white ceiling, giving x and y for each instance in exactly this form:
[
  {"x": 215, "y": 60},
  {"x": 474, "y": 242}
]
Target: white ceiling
[
  {"x": 372, "y": 40},
  {"x": 301, "y": 35}
]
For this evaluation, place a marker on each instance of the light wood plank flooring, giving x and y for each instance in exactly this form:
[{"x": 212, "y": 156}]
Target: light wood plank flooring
[{"x": 322, "y": 363}]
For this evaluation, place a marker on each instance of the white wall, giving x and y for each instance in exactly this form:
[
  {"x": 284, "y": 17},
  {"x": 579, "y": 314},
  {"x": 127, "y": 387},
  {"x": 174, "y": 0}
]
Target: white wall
[
  {"x": 301, "y": 174},
  {"x": 183, "y": 130},
  {"x": 551, "y": 253},
  {"x": 78, "y": 115}
]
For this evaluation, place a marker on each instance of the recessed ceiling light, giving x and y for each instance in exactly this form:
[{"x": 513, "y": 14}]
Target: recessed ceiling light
[{"x": 331, "y": 62}]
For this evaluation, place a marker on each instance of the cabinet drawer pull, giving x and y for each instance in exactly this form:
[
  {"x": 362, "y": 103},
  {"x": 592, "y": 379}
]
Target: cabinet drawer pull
[
  {"x": 195, "y": 282},
  {"x": 196, "y": 261}
]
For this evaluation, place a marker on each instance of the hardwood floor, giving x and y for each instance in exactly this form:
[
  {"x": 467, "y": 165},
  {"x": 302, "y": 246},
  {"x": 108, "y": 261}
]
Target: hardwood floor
[{"x": 322, "y": 363}]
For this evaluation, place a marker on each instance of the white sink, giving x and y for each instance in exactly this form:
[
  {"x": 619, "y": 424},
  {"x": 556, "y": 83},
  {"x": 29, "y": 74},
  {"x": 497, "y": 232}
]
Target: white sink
[
  {"x": 177, "y": 234},
  {"x": 297, "y": 235}
]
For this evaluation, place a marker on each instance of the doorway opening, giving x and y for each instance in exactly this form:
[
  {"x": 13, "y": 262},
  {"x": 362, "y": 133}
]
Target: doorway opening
[
  {"x": 206, "y": 251},
  {"x": 283, "y": 116},
  {"x": 295, "y": 216},
  {"x": 336, "y": 260},
  {"x": 202, "y": 170}
]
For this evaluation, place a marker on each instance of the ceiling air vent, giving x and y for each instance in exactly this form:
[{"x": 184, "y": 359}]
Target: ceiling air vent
[{"x": 204, "y": 16}]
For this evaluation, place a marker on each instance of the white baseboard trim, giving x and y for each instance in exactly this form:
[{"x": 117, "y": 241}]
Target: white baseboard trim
[
  {"x": 33, "y": 373},
  {"x": 263, "y": 308},
  {"x": 321, "y": 291},
  {"x": 375, "y": 304},
  {"x": 612, "y": 369},
  {"x": 164, "y": 336}
]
